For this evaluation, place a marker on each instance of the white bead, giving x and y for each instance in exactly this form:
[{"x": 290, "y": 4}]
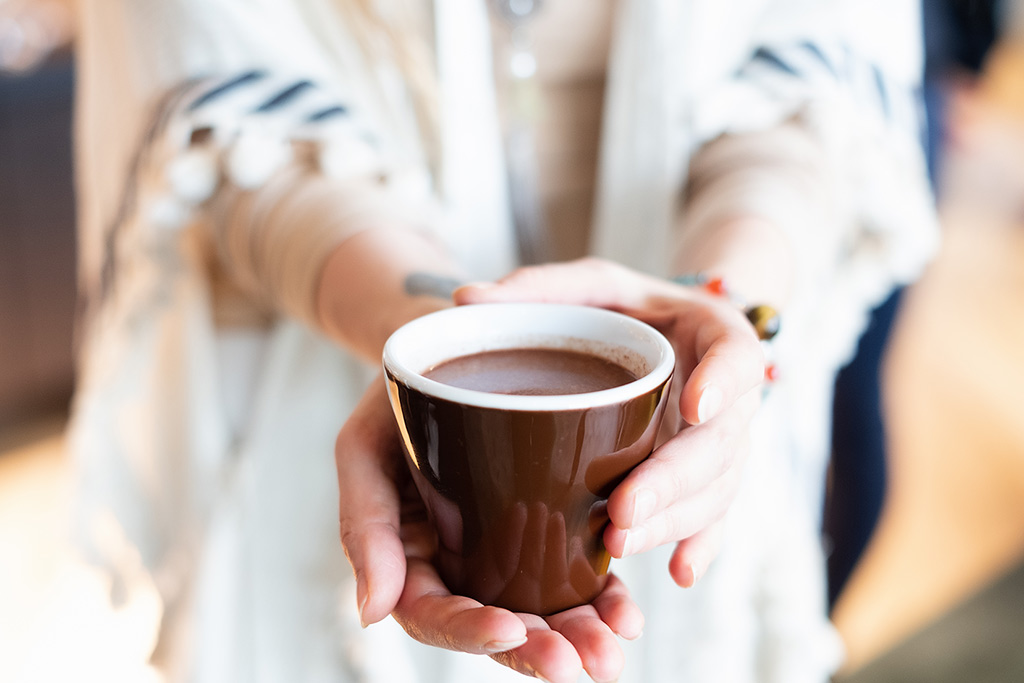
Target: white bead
[
  {"x": 522, "y": 8},
  {"x": 522, "y": 65}
]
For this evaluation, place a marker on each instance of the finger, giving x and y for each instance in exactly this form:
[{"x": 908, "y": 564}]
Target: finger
[
  {"x": 595, "y": 643},
  {"x": 432, "y": 615},
  {"x": 724, "y": 360},
  {"x": 617, "y": 609},
  {"x": 685, "y": 464},
  {"x": 693, "y": 555},
  {"x": 369, "y": 507},
  {"x": 546, "y": 655},
  {"x": 583, "y": 637},
  {"x": 678, "y": 521},
  {"x": 588, "y": 281}
]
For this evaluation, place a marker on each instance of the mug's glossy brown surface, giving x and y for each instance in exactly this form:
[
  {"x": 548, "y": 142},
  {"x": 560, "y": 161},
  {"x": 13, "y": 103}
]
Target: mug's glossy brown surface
[{"x": 518, "y": 497}]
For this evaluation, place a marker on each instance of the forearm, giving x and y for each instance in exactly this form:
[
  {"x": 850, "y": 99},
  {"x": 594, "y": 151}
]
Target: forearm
[
  {"x": 336, "y": 254},
  {"x": 747, "y": 196},
  {"x": 378, "y": 279},
  {"x": 750, "y": 253}
]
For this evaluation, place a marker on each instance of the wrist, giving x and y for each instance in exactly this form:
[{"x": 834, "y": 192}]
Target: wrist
[
  {"x": 378, "y": 280},
  {"x": 763, "y": 317},
  {"x": 749, "y": 254}
]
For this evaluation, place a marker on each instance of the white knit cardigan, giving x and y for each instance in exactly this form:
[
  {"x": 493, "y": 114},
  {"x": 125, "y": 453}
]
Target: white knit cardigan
[{"x": 234, "y": 523}]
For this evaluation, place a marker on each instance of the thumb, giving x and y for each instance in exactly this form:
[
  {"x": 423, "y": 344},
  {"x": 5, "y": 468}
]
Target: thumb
[{"x": 369, "y": 505}]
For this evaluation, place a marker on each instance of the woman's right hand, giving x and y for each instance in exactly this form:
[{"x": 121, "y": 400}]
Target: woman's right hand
[
  {"x": 389, "y": 542},
  {"x": 681, "y": 493}
]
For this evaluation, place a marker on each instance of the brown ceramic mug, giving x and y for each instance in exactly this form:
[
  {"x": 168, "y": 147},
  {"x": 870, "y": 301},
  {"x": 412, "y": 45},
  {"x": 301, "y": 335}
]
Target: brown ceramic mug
[{"x": 516, "y": 485}]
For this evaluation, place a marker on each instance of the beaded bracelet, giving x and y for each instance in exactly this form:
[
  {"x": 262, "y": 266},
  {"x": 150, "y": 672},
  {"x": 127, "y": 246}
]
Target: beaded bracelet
[{"x": 763, "y": 317}]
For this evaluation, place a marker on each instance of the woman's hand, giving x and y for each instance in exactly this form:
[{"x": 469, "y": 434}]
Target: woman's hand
[
  {"x": 389, "y": 543},
  {"x": 680, "y": 493}
]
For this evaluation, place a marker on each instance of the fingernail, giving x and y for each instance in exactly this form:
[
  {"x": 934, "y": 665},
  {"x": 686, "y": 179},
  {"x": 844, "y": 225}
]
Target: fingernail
[
  {"x": 530, "y": 671},
  {"x": 362, "y": 606},
  {"x": 710, "y": 403},
  {"x": 629, "y": 637},
  {"x": 479, "y": 285},
  {"x": 635, "y": 539},
  {"x": 643, "y": 506},
  {"x": 695, "y": 575},
  {"x": 503, "y": 645},
  {"x": 472, "y": 292},
  {"x": 699, "y": 570}
]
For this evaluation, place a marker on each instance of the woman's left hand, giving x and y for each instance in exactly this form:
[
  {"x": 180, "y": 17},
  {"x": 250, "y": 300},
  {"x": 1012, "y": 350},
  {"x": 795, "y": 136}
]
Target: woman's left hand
[{"x": 681, "y": 493}]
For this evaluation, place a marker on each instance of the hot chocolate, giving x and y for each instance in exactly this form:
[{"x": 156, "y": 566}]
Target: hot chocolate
[{"x": 531, "y": 372}]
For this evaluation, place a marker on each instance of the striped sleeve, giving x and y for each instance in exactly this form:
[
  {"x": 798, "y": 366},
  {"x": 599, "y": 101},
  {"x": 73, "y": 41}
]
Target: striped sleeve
[
  {"x": 243, "y": 127},
  {"x": 276, "y": 171},
  {"x": 835, "y": 71},
  {"x": 867, "y": 126},
  {"x": 825, "y": 142}
]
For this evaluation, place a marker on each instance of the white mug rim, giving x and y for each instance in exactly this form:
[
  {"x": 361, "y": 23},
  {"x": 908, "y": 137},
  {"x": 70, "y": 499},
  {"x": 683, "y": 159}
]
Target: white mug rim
[{"x": 661, "y": 358}]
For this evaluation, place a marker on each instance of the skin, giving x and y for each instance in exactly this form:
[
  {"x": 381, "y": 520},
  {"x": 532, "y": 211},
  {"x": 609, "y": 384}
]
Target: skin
[{"x": 679, "y": 495}]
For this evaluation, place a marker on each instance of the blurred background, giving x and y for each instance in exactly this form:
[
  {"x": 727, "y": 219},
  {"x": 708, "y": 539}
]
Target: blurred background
[{"x": 937, "y": 596}]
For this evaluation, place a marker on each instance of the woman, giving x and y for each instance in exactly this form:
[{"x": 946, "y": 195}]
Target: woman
[{"x": 268, "y": 191}]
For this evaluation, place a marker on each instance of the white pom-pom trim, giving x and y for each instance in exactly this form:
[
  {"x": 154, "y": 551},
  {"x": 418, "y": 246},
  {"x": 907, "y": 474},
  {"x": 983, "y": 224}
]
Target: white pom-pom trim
[
  {"x": 167, "y": 213},
  {"x": 193, "y": 174},
  {"x": 253, "y": 158}
]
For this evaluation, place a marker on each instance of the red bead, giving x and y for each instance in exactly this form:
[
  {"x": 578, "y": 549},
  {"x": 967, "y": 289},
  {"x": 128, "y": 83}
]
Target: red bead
[
  {"x": 771, "y": 373},
  {"x": 716, "y": 286}
]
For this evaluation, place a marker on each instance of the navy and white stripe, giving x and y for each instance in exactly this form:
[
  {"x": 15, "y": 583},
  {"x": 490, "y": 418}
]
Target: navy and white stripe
[
  {"x": 273, "y": 102},
  {"x": 223, "y": 88},
  {"x": 832, "y": 67},
  {"x": 242, "y": 127}
]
